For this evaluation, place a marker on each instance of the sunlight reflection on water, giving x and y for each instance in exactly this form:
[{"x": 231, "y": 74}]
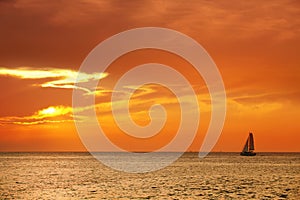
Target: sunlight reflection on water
[{"x": 219, "y": 175}]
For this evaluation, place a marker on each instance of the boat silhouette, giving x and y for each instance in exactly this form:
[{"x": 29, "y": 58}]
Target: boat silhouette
[{"x": 249, "y": 147}]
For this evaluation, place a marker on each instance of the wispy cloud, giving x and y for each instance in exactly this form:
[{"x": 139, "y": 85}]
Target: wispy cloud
[
  {"x": 144, "y": 97},
  {"x": 63, "y": 78}
]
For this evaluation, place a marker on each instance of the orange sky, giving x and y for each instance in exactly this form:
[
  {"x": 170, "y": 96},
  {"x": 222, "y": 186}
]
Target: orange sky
[{"x": 255, "y": 45}]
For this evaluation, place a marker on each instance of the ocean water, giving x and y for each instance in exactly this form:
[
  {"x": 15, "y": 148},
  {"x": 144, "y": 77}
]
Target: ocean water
[{"x": 217, "y": 176}]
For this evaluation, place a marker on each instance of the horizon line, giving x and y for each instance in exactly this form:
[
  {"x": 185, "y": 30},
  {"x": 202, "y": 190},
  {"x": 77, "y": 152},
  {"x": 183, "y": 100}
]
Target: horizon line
[{"x": 143, "y": 152}]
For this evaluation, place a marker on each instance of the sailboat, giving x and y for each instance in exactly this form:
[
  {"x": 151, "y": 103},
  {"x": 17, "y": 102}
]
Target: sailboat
[{"x": 249, "y": 147}]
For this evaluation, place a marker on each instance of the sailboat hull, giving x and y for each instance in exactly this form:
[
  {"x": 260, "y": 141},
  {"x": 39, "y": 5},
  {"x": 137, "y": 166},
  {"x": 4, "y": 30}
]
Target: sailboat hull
[{"x": 248, "y": 154}]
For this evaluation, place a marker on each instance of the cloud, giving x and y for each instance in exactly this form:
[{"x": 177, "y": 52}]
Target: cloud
[
  {"x": 142, "y": 100},
  {"x": 52, "y": 114},
  {"x": 150, "y": 94},
  {"x": 238, "y": 20},
  {"x": 63, "y": 78},
  {"x": 241, "y": 102}
]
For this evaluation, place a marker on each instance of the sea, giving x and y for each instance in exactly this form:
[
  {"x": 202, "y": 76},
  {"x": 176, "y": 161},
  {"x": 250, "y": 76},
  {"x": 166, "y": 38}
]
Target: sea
[{"x": 216, "y": 176}]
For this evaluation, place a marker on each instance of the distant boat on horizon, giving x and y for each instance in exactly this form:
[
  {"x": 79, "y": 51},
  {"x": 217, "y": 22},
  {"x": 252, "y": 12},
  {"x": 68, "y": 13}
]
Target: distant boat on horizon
[{"x": 249, "y": 147}]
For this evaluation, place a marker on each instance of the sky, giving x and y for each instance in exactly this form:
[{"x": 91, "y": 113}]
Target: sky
[{"x": 255, "y": 45}]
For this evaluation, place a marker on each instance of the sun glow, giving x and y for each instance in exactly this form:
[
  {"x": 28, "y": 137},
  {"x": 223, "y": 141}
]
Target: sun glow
[
  {"x": 53, "y": 111},
  {"x": 48, "y": 111}
]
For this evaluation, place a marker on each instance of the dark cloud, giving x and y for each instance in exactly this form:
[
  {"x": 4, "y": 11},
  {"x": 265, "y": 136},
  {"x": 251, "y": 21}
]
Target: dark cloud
[{"x": 62, "y": 33}]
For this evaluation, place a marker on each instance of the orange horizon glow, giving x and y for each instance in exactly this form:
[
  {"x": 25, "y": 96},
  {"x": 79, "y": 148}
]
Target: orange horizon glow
[{"x": 255, "y": 48}]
